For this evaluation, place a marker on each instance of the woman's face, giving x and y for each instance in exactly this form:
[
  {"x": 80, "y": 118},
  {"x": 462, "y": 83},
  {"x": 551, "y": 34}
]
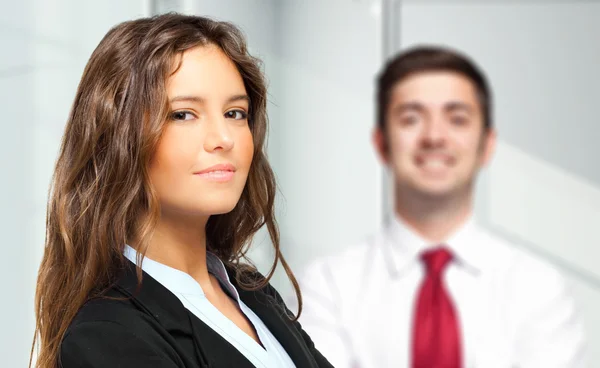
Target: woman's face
[{"x": 203, "y": 157}]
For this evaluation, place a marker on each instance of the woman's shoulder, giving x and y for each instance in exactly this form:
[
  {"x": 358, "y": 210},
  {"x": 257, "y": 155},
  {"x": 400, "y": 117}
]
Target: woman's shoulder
[
  {"x": 111, "y": 308},
  {"x": 248, "y": 277},
  {"x": 252, "y": 285},
  {"x": 111, "y": 330}
]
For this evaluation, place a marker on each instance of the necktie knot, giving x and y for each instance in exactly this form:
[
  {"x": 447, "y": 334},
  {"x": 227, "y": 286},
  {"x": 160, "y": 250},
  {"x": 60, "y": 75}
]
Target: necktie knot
[{"x": 436, "y": 260}]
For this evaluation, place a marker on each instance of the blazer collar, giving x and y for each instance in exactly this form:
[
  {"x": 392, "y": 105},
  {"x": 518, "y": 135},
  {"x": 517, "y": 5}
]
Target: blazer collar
[
  {"x": 154, "y": 299},
  {"x": 160, "y": 303},
  {"x": 157, "y": 301}
]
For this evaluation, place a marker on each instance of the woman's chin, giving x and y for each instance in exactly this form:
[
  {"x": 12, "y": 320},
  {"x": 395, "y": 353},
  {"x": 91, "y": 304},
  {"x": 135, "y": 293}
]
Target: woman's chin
[{"x": 220, "y": 207}]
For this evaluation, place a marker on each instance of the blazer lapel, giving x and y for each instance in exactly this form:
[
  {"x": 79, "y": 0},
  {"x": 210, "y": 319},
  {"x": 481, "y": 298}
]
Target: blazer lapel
[
  {"x": 215, "y": 348},
  {"x": 273, "y": 316},
  {"x": 211, "y": 349},
  {"x": 155, "y": 299},
  {"x": 158, "y": 302}
]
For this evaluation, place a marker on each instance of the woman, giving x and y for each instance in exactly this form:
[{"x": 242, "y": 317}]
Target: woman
[{"x": 162, "y": 166}]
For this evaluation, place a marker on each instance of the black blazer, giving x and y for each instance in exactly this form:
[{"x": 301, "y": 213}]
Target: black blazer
[{"x": 152, "y": 328}]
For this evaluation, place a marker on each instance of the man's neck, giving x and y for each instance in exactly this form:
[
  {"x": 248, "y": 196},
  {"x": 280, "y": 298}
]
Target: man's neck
[{"x": 435, "y": 219}]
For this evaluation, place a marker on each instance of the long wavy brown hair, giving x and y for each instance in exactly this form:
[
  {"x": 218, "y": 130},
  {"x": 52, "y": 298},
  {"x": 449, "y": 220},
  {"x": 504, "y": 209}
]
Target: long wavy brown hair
[{"x": 101, "y": 195}]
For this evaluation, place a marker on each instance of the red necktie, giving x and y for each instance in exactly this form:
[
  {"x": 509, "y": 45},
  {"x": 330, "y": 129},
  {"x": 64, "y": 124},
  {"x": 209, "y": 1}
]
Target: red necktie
[{"x": 436, "y": 332}]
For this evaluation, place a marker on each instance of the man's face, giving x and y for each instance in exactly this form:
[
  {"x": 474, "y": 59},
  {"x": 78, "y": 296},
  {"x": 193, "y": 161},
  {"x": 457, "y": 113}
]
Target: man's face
[{"x": 434, "y": 139}]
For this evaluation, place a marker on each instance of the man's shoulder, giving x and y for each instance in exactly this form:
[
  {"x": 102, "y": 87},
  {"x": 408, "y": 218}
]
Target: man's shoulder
[
  {"x": 518, "y": 261},
  {"x": 344, "y": 268},
  {"x": 347, "y": 258}
]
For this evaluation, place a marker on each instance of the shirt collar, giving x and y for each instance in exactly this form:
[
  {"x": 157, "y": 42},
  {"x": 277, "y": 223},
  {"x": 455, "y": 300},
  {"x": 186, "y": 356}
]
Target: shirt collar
[
  {"x": 405, "y": 245},
  {"x": 180, "y": 282}
]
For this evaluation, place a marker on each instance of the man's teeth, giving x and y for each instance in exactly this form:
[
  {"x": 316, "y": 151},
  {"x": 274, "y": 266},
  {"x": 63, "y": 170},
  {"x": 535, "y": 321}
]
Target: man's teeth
[{"x": 434, "y": 164}]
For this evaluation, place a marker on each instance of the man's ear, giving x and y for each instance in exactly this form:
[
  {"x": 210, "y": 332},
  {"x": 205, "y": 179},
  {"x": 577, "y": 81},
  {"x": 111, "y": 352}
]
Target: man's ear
[
  {"x": 489, "y": 146},
  {"x": 380, "y": 144}
]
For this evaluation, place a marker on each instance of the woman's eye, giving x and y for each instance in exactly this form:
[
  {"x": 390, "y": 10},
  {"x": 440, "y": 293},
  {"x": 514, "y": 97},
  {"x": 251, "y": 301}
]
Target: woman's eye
[
  {"x": 182, "y": 115},
  {"x": 236, "y": 114}
]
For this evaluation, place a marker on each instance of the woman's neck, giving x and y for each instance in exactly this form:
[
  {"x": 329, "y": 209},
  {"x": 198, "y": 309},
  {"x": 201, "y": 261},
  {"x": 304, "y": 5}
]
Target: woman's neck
[{"x": 179, "y": 241}]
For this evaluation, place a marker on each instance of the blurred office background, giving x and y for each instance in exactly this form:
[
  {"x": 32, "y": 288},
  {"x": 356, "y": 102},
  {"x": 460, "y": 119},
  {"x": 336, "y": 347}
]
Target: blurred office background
[{"x": 542, "y": 191}]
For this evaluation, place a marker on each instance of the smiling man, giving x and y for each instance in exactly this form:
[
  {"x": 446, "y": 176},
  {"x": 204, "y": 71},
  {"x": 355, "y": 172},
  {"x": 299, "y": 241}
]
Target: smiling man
[{"x": 432, "y": 289}]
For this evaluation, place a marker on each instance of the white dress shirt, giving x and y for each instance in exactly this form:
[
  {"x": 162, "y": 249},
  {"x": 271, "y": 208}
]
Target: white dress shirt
[
  {"x": 189, "y": 292},
  {"x": 514, "y": 310}
]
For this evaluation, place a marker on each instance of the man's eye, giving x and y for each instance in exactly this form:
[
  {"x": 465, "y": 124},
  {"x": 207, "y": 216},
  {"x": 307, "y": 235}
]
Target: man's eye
[
  {"x": 459, "y": 120},
  {"x": 409, "y": 119}
]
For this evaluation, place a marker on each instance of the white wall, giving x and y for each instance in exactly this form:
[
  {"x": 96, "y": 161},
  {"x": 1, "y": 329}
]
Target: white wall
[
  {"x": 45, "y": 45},
  {"x": 329, "y": 52},
  {"x": 16, "y": 83},
  {"x": 542, "y": 190}
]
